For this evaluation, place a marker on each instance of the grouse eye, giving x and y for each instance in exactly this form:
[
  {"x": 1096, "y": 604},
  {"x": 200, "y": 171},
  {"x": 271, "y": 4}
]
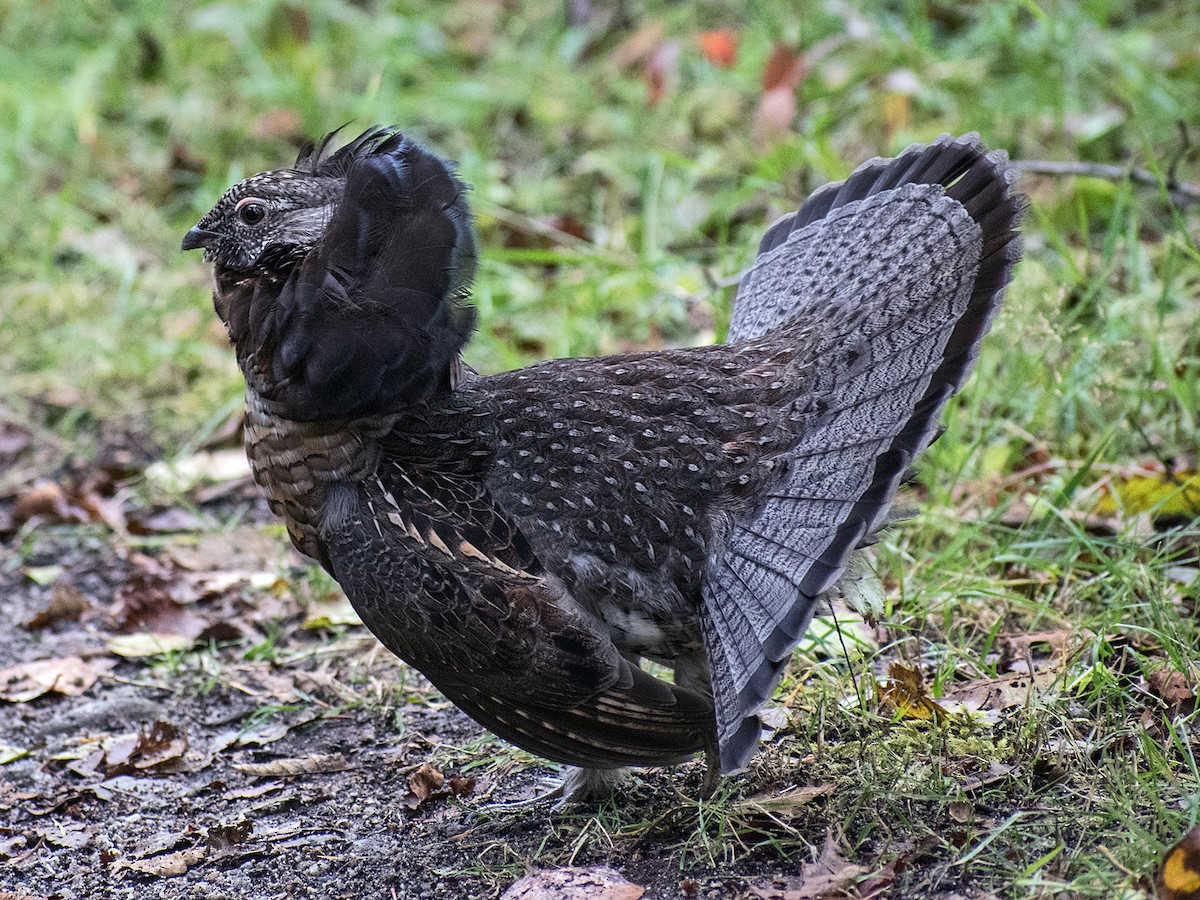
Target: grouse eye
[{"x": 251, "y": 210}]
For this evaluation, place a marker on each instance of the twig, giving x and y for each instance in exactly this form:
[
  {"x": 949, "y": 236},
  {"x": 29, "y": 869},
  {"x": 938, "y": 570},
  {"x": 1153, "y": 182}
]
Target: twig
[{"x": 1181, "y": 192}]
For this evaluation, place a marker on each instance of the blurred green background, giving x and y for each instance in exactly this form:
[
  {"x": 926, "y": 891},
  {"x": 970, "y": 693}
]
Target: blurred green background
[{"x": 622, "y": 165}]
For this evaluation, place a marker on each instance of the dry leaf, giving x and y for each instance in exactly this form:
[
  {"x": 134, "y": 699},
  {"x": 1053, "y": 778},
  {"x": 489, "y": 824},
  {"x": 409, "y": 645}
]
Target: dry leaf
[
  {"x": 67, "y": 603},
  {"x": 423, "y": 784},
  {"x": 1174, "y": 687},
  {"x": 284, "y": 768},
  {"x": 330, "y": 612},
  {"x": 47, "y": 502},
  {"x": 1060, "y": 643},
  {"x": 223, "y": 836},
  {"x": 906, "y": 693},
  {"x": 828, "y": 876},
  {"x": 997, "y": 694},
  {"x": 10, "y": 895},
  {"x": 257, "y": 790},
  {"x": 782, "y": 74},
  {"x": 149, "y": 600},
  {"x": 790, "y": 802},
  {"x": 1179, "y": 876},
  {"x": 995, "y": 773},
  {"x": 68, "y": 675},
  {"x": 720, "y": 47},
  {"x": 168, "y": 865},
  {"x": 162, "y": 744},
  {"x": 207, "y": 466},
  {"x": 148, "y": 643},
  {"x": 598, "y": 883},
  {"x": 10, "y": 753},
  {"x": 43, "y": 575},
  {"x": 784, "y": 69}
]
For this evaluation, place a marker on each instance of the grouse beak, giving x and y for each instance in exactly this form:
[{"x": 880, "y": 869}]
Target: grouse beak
[{"x": 197, "y": 238}]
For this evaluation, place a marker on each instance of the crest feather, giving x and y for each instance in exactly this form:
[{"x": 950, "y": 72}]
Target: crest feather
[{"x": 317, "y": 158}]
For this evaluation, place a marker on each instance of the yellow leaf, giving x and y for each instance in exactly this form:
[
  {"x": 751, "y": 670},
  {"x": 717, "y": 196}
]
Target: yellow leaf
[
  {"x": 906, "y": 693},
  {"x": 1179, "y": 877},
  {"x": 1162, "y": 494}
]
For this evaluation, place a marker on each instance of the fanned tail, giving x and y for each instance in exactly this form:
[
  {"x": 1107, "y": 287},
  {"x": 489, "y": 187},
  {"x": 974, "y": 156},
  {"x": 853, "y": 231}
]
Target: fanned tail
[{"x": 891, "y": 279}]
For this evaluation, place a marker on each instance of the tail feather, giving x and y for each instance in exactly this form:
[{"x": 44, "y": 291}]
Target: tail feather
[{"x": 888, "y": 281}]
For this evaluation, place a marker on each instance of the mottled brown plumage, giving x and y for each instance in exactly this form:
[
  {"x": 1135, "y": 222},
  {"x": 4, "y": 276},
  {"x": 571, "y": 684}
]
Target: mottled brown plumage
[{"x": 525, "y": 539}]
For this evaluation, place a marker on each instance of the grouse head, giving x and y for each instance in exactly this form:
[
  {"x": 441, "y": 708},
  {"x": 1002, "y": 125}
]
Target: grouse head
[
  {"x": 267, "y": 223},
  {"x": 343, "y": 280}
]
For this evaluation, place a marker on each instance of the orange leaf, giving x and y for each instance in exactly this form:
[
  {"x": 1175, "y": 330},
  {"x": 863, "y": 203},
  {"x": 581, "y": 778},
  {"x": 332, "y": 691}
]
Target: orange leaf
[{"x": 720, "y": 47}]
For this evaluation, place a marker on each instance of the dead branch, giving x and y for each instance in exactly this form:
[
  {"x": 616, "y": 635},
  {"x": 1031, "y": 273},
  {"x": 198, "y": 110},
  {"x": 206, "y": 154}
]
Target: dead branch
[{"x": 1181, "y": 192}]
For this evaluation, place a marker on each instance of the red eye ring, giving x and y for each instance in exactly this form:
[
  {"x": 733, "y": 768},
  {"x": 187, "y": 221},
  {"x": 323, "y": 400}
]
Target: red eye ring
[{"x": 251, "y": 210}]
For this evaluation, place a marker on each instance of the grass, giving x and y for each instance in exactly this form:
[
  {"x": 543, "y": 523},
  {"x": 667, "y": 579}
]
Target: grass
[{"x": 605, "y": 221}]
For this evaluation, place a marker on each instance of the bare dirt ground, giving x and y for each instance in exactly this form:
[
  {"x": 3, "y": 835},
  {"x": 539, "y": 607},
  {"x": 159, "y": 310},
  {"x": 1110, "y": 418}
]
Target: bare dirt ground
[{"x": 277, "y": 751}]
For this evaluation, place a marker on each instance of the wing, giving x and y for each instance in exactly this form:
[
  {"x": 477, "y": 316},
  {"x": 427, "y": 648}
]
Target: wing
[
  {"x": 889, "y": 281},
  {"x": 449, "y": 585},
  {"x": 371, "y": 320}
]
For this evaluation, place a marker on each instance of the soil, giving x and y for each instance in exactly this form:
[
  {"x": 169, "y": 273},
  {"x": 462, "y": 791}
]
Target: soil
[{"x": 283, "y": 755}]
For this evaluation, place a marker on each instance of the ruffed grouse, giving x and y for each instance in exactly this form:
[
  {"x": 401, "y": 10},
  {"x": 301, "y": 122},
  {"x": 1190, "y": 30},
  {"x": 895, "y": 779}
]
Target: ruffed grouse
[{"x": 525, "y": 539}]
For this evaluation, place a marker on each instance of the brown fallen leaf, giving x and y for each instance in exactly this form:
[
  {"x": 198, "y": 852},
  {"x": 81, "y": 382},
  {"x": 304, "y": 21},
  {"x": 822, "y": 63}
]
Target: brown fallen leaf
[
  {"x": 162, "y": 745},
  {"x": 783, "y": 72},
  {"x": 1174, "y": 688},
  {"x": 225, "y": 835},
  {"x": 249, "y": 793},
  {"x": 68, "y": 675},
  {"x": 994, "y": 695},
  {"x": 66, "y": 603},
  {"x": 906, "y": 693},
  {"x": 88, "y": 500},
  {"x": 169, "y": 865},
  {"x": 1062, "y": 644},
  {"x": 47, "y": 502},
  {"x": 150, "y": 600},
  {"x": 316, "y": 764},
  {"x": 828, "y": 876},
  {"x": 460, "y": 785},
  {"x": 575, "y": 883},
  {"x": 784, "y": 68},
  {"x": 424, "y": 784},
  {"x": 1178, "y": 877},
  {"x": 995, "y": 773}
]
